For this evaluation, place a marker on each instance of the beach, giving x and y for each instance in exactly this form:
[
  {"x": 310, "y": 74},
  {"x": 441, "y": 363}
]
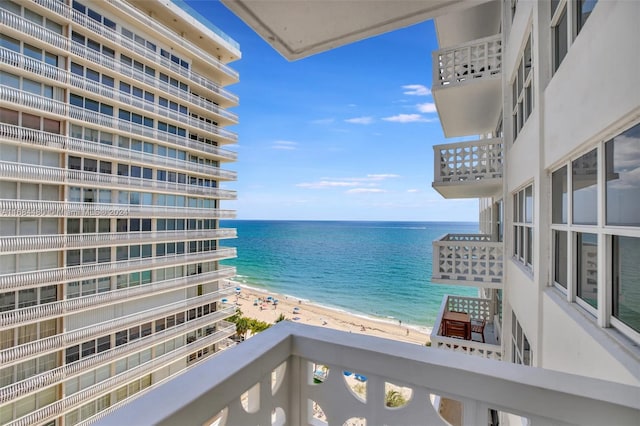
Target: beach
[{"x": 309, "y": 313}]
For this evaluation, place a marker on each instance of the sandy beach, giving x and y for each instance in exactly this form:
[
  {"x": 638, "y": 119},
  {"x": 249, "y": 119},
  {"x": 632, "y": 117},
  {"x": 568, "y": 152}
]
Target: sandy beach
[{"x": 312, "y": 314}]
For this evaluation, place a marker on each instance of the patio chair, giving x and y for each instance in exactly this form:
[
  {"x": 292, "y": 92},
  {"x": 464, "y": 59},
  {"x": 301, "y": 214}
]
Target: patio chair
[{"x": 477, "y": 326}]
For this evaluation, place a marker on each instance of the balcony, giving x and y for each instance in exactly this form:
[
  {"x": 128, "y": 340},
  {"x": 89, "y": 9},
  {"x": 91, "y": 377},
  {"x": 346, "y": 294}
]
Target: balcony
[
  {"x": 42, "y": 103},
  {"x": 17, "y": 25},
  {"x": 48, "y": 378},
  {"x": 52, "y": 141},
  {"x": 468, "y": 259},
  {"x": 477, "y": 309},
  {"x": 30, "y": 243},
  {"x": 467, "y": 86},
  {"x": 60, "y": 76},
  {"x": 42, "y": 208},
  {"x": 21, "y": 280},
  {"x": 75, "y": 305},
  {"x": 50, "y": 412},
  {"x": 17, "y": 354},
  {"x": 468, "y": 169},
  {"x": 269, "y": 380},
  {"x": 54, "y": 175}
]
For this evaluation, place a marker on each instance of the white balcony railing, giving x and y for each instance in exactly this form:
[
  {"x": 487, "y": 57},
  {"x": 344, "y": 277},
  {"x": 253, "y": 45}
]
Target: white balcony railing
[
  {"x": 37, "y": 313},
  {"x": 468, "y": 259},
  {"x": 478, "y": 309},
  {"x": 17, "y": 354},
  {"x": 269, "y": 380},
  {"x": 14, "y": 22},
  {"x": 42, "y": 208},
  {"x": 61, "y": 77},
  {"x": 55, "y": 175},
  {"x": 52, "y": 411},
  {"x": 468, "y": 161},
  {"x": 21, "y": 280},
  {"x": 473, "y": 60},
  {"x": 62, "y": 143},
  {"x": 60, "y": 108},
  {"x": 68, "y": 371},
  {"x": 15, "y": 244}
]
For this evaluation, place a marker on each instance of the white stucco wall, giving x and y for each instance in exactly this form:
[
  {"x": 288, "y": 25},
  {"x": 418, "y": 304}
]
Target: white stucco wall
[
  {"x": 591, "y": 90},
  {"x": 573, "y": 343}
]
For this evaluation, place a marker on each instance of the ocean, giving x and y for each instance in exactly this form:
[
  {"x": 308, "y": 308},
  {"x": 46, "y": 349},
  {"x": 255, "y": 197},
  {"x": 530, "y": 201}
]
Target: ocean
[{"x": 374, "y": 269}]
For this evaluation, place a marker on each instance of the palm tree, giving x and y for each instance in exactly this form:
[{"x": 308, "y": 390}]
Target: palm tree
[
  {"x": 242, "y": 326},
  {"x": 393, "y": 398},
  {"x": 281, "y": 318}
]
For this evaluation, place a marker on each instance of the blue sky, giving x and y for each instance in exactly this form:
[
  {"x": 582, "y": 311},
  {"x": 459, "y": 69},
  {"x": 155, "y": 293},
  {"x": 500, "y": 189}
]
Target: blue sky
[{"x": 342, "y": 135}]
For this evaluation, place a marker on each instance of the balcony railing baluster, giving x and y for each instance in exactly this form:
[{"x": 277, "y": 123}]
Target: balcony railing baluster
[{"x": 468, "y": 259}]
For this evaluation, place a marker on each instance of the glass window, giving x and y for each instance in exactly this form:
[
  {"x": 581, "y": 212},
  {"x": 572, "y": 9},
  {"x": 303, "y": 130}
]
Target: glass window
[
  {"x": 584, "y": 181},
  {"x": 7, "y": 303},
  {"x": 92, "y": 105},
  {"x": 584, "y": 9},
  {"x": 27, "y": 297},
  {"x": 626, "y": 281},
  {"x": 93, "y": 75},
  {"x": 31, "y": 86},
  {"x": 107, "y": 51},
  {"x": 94, "y": 15},
  {"x": 78, "y": 38},
  {"x": 560, "y": 258},
  {"x": 528, "y": 204},
  {"x": 90, "y": 165},
  {"x": 559, "y": 195},
  {"x": 587, "y": 268},
  {"x": 79, "y": 7},
  {"x": 32, "y": 52},
  {"x": 109, "y": 23},
  {"x": 75, "y": 163},
  {"x": 11, "y": 80},
  {"x": 560, "y": 40},
  {"x": 73, "y": 226},
  {"x": 108, "y": 81},
  {"x": 622, "y": 159},
  {"x": 94, "y": 45}
]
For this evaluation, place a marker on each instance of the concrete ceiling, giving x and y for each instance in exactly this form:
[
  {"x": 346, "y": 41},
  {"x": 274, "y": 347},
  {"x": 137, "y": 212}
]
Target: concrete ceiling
[
  {"x": 300, "y": 28},
  {"x": 470, "y": 24}
]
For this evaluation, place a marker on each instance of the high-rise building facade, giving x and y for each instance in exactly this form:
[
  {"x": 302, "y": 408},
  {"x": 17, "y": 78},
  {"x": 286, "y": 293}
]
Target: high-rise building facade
[
  {"x": 112, "y": 159},
  {"x": 555, "y": 171}
]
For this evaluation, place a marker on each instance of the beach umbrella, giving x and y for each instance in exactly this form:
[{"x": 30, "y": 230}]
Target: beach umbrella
[
  {"x": 224, "y": 300},
  {"x": 238, "y": 289}
]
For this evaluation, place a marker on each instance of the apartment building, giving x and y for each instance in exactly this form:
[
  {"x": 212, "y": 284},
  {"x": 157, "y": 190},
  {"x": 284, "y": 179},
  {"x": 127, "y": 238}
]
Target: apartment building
[
  {"x": 544, "y": 94},
  {"x": 113, "y": 126},
  {"x": 554, "y": 168}
]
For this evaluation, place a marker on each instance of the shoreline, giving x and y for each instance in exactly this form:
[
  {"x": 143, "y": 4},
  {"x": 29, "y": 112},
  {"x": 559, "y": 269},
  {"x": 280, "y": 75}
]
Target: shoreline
[{"x": 307, "y": 312}]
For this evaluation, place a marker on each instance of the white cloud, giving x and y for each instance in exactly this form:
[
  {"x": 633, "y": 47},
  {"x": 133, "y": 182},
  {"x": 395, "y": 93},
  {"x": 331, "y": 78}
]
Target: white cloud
[
  {"x": 323, "y": 121},
  {"x": 370, "y": 181},
  {"x": 408, "y": 118},
  {"x": 365, "y": 191},
  {"x": 416, "y": 90},
  {"x": 360, "y": 120},
  {"x": 427, "y": 107},
  {"x": 352, "y": 105},
  {"x": 382, "y": 176},
  {"x": 413, "y": 190},
  {"x": 326, "y": 184},
  {"x": 284, "y": 145}
]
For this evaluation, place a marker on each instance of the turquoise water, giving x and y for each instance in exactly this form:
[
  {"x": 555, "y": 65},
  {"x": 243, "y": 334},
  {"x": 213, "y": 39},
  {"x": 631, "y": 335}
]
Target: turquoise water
[{"x": 376, "y": 269}]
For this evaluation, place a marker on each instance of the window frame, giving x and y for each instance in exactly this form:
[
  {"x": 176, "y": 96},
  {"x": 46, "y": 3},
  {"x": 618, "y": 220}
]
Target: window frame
[{"x": 606, "y": 234}]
